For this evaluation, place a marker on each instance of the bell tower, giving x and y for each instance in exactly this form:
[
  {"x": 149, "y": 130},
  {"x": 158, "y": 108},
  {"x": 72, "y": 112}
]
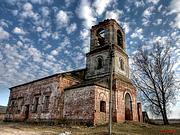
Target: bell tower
[{"x": 105, "y": 37}]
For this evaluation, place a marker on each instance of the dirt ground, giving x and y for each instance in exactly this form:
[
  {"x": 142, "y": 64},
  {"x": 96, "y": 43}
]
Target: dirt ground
[{"x": 128, "y": 128}]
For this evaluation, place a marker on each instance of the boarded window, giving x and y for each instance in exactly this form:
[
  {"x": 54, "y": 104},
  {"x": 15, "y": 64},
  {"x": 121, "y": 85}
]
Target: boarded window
[
  {"x": 102, "y": 106},
  {"x": 20, "y": 104},
  {"x": 46, "y": 103}
]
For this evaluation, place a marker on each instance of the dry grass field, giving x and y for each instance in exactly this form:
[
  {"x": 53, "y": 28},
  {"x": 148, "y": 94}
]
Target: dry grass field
[{"x": 128, "y": 128}]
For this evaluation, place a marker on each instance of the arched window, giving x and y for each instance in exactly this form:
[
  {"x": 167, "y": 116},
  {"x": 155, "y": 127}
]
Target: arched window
[
  {"x": 102, "y": 106},
  {"x": 99, "y": 62},
  {"x": 119, "y": 38},
  {"x": 121, "y": 63}
]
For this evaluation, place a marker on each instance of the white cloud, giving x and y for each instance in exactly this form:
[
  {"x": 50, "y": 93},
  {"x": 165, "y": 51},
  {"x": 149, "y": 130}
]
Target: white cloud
[
  {"x": 114, "y": 14},
  {"x": 85, "y": 12},
  {"x": 54, "y": 52},
  {"x": 18, "y": 30},
  {"x": 39, "y": 29},
  {"x": 145, "y": 21},
  {"x": 45, "y": 34},
  {"x": 19, "y": 44},
  {"x": 157, "y": 22},
  {"x": 153, "y": 1},
  {"x": 55, "y": 35},
  {"x": 69, "y": 2},
  {"x": 47, "y": 47},
  {"x": 101, "y": 5},
  {"x": 36, "y": 1},
  {"x": 45, "y": 11},
  {"x": 3, "y": 34},
  {"x": 126, "y": 27},
  {"x": 71, "y": 28},
  {"x": 148, "y": 12},
  {"x": 28, "y": 12},
  {"x": 177, "y": 21},
  {"x": 27, "y": 6},
  {"x": 160, "y": 7},
  {"x": 35, "y": 53},
  {"x": 64, "y": 44},
  {"x": 160, "y": 39},
  {"x": 139, "y": 3},
  {"x": 51, "y": 58},
  {"x": 62, "y": 18},
  {"x": 42, "y": 1},
  {"x": 175, "y": 8},
  {"x": 4, "y": 23},
  {"x": 84, "y": 34},
  {"x": 138, "y": 33}
]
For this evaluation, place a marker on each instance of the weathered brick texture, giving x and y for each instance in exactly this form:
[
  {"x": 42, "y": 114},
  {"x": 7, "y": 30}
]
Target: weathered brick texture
[
  {"x": 23, "y": 98},
  {"x": 79, "y": 104}
]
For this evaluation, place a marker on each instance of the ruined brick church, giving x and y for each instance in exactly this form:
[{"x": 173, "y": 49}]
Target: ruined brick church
[{"x": 82, "y": 95}]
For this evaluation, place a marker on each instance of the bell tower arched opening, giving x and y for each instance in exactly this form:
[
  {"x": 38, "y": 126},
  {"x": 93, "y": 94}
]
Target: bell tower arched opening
[{"x": 120, "y": 39}]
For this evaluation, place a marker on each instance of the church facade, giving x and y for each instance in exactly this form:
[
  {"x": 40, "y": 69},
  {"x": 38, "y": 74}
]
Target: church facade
[{"x": 83, "y": 95}]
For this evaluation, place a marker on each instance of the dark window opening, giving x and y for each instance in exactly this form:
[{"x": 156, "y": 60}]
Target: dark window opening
[
  {"x": 12, "y": 104},
  {"x": 119, "y": 39},
  {"x": 99, "y": 63},
  {"x": 102, "y": 106},
  {"x": 121, "y": 64},
  {"x": 36, "y": 104}
]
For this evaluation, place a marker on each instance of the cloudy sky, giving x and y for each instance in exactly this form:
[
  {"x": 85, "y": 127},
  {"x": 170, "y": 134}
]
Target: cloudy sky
[{"x": 42, "y": 37}]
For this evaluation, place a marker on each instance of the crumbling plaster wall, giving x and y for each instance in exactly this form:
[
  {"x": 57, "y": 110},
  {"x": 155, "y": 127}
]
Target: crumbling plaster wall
[{"x": 92, "y": 71}]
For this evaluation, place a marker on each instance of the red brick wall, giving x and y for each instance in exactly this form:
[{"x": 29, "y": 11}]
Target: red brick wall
[
  {"x": 2, "y": 116},
  {"x": 79, "y": 104},
  {"x": 83, "y": 104},
  {"x": 121, "y": 89},
  {"x": 101, "y": 94},
  {"x": 52, "y": 86}
]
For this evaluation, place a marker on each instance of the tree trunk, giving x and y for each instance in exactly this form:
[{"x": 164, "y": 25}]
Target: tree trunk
[{"x": 165, "y": 119}]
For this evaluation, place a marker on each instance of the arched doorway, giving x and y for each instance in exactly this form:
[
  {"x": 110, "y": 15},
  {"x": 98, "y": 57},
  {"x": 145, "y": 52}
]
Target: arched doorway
[{"x": 128, "y": 107}]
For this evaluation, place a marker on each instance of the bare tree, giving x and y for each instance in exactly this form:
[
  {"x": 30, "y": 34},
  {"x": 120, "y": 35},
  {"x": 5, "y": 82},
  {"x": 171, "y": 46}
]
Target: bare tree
[{"x": 153, "y": 75}]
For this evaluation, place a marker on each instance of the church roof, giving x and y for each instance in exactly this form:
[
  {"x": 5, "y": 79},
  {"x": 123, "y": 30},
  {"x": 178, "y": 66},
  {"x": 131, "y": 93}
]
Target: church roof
[
  {"x": 86, "y": 83},
  {"x": 74, "y": 73}
]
